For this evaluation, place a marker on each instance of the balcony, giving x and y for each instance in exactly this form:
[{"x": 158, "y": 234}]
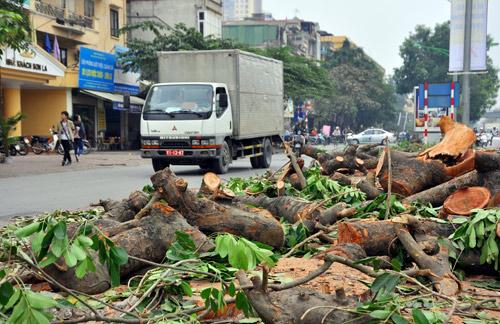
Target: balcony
[{"x": 63, "y": 16}]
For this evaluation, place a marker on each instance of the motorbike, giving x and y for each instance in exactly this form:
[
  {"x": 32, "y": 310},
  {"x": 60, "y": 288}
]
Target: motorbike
[
  {"x": 86, "y": 148},
  {"x": 18, "y": 147},
  {"x": 42, "y": 144},
  {"x": 482, "y": 140},
  {"x": 298, "y": 143}
]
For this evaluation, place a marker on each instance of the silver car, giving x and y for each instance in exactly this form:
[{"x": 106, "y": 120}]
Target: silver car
[{"x": 371, "y": 135}]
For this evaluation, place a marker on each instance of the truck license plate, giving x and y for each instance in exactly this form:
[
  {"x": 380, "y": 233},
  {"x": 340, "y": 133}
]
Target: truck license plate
[{"x": 174, "y": 152}]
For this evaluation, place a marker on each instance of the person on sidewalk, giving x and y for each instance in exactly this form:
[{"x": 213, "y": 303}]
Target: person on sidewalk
[
  {"x": 79, "y": 136},
  {"x": 65, "y": 129}
]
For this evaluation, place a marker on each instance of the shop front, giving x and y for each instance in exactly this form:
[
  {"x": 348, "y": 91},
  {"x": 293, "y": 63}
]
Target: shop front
[
  {"x": 100, "y": 99},
  {"x": 25, "y": 76}
]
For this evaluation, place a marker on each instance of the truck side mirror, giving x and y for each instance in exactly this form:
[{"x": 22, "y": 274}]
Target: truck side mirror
[{"x": 223, "y": 102}]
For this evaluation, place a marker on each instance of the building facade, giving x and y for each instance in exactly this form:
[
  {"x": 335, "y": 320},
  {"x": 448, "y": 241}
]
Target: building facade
[
  {"x": 204, "y": 15},
  {"x": 302, "y": 36},
  {"x": 46, "y": 79},
  {"x": 241, "y": 9}
]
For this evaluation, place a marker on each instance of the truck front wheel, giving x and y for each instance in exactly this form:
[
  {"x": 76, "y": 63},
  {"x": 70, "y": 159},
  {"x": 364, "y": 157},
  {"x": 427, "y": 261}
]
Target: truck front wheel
[
  {"x": 263, "y": 161},
  {"x": 159, "y": 164},
  {"x": 221, "y": 165}
]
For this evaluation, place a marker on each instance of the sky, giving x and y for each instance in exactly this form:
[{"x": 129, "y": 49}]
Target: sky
[{"x": 378, "y": 26}]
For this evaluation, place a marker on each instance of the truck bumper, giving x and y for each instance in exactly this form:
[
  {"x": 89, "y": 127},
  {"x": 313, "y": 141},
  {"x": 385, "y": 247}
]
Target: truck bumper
[{"x": 191, "y": 156}]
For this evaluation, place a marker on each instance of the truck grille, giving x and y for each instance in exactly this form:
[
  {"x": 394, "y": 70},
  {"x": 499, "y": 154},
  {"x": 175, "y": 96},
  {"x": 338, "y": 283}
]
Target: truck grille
[{"x": 176, "y": 144}]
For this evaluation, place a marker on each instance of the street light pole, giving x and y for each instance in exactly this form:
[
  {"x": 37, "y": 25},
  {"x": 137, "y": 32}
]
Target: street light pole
[{"x": 467, "y": 50}]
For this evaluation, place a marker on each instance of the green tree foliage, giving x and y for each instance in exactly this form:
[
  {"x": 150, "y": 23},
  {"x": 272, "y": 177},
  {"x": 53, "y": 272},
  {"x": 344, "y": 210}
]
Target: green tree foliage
[
  {"x": 7, "y": 125},
  {"x": 14, "y": 25},
  {"x": 361, "y": 95},
  {"x": 425, "y": 58},
  {"x": 303, "y": 78}
]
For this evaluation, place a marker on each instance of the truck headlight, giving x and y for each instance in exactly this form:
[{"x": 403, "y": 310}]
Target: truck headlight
[
  {"x": 146, "y": 142},
  {"x": 155, "y": 142},
  {"x": 195, "y": 142},
  {"x": 204, "y": 142},
  {"x": 211, "y": 141}
]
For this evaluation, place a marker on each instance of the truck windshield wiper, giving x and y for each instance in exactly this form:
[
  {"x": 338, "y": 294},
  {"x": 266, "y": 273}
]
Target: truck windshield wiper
[
  {"x": 199, "y": 114},
  {"x": 153, "y": 111}
]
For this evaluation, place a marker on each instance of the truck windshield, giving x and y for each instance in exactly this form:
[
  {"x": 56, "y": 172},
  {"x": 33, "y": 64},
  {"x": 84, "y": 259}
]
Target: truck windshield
[{"x": 180, "y": 101}]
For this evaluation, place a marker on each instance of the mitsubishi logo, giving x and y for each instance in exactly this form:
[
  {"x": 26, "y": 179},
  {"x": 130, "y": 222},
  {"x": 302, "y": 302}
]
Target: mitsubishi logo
[{"x": 174, "y": 129}]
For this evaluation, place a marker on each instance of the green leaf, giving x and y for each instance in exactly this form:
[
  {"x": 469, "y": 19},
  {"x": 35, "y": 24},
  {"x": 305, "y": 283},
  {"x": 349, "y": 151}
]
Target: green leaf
[
  {"x": 57, "y": 247},
  {"x": 114, "y": 274},
  {"x": 78, "y": 252},
  {"x": 380, "y": 314},
  {"x": 17, "y": 312},
  {"x": 242, "y": 303},
  {"x": 238, "y": 257},
  {"x": 81, "y": 269},
  {"x": 85, "y": 241},
  {"x": 60, "y": 230},
  {"x": 419, "y": 317},
  {"x": 27, "y": 230},
  {"x": 39, "y": 317},
  {"x": 40, "y": 301},
  {"x": 13, "y": 299},
  {"x": 70, "y": 259},
  {"x": 36, "y": 242},
  {"x": 398, "y": 319},
  {"x": 118, "y": 255},
  {"x": 472, "y": 238},
  {"x": 6, "y": 292},
  {"x": 48, "y": 260}
]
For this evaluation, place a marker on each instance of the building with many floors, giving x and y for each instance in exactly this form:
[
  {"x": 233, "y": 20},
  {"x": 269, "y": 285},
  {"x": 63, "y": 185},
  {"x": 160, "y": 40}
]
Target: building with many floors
[
  {"x": 204, "y": 15},
  {"x": 72, "y": 41},
  {"x": 241, "y": 9}
]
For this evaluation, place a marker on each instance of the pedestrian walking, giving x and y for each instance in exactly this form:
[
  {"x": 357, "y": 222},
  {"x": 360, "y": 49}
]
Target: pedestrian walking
[
  {"x": 79, "y": 136},
  {"x": 337, "y": 134},
  {"x": 66, "y": 129}
]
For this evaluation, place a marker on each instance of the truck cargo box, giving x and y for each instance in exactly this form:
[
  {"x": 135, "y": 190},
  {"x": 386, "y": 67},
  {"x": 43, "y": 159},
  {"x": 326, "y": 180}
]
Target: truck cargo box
[{"x": 255, "y": 85}]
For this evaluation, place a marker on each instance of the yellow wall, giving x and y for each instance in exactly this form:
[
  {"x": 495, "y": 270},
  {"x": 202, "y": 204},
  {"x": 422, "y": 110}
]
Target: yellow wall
[
  {"x": 42, "y": 109},
  {"x": 12, "y": 106}
]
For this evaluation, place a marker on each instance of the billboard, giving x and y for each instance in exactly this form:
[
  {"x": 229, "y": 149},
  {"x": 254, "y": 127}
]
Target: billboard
[
  {"x": 96, "y": 70},
  {"x": 478, "y": 35}
]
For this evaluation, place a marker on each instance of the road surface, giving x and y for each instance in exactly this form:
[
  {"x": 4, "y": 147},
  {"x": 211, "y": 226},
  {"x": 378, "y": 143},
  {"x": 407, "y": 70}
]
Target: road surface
[{"x": 32, "y": 194}]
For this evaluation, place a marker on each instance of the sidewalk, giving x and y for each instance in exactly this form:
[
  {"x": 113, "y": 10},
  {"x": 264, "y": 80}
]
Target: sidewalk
[{"x": 51, "y": 163}]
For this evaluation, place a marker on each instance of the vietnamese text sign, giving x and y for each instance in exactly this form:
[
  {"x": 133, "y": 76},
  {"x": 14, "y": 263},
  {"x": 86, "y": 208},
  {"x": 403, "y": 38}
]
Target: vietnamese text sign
[
  {"x": 439, "y": 102},
  {"x": 478, "y": 35},
  {"x": 96, "y": 70}
]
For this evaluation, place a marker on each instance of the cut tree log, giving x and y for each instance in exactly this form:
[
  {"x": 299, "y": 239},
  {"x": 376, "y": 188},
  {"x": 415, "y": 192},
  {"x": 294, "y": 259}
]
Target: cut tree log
[
  {"x": 464, "y": 200},
  {"x": 294, "y": 210},
  {"x": 148, "y": 238},
  {"x": 441, "y": 275},
  {"x": 125, "y": 209},
  {"x": 213, "y": 217},
  {"x": 298, "y": 305},
  {"x": 349, "y": 251},
  {"x": 487, "y": 161},
  {"x": 296, "y": 167},
  {"x": 211, "y": 187},
  {"x": 458, "y": 138},
  {"x": 348, "y": 161},
  {"x": 438, "y": 194},
  {"x": 410, "y": 175}
]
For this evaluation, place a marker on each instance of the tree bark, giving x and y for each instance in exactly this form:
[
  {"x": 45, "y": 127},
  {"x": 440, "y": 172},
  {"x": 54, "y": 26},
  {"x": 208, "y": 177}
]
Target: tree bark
[
  {"x": 299, "y": 305},
  {"x": 125, "y": 209},
  {"x": 410, "y": 175},
  {"x": 487, "y": 161},
  {"x": 213, "y": 217}
]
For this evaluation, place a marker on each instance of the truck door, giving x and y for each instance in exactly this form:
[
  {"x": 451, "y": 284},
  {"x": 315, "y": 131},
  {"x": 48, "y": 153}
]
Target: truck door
[{"x": 224, "y": 119}]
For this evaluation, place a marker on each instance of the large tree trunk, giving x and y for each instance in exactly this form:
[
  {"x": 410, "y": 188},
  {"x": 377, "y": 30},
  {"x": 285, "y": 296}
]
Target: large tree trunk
[
  {"x": 464, "y": 200},
  {"x": 125, "y": 209},
  {"x": 299, "y": 305},
  {"x": 438, "y": 194},
  {"x": 294, "y": 210},
  {"x": 410, "y": 175},
  {"x": 148, "y": 238},
  {"x": 213, "y": 217},
  {"x": 487, "y": 161}
]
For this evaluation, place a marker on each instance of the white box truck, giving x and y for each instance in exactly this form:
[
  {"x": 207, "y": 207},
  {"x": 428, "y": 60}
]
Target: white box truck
[{"x": 212, "y": 107}]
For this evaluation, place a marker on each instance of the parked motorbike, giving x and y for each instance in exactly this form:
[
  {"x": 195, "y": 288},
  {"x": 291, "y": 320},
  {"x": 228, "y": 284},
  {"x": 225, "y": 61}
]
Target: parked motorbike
[
  {"x": 18, "y": 147},
  {"x": 42, "y": 144},
  {"x": 298, "y": 143},
  {"x": 86, "y": 148},
  {"x": 482, "y": 140}
]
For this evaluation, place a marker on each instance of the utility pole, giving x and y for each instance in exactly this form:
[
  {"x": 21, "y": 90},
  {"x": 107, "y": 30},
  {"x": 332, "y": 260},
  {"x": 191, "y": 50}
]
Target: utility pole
[{"x": 467, "y": 50}]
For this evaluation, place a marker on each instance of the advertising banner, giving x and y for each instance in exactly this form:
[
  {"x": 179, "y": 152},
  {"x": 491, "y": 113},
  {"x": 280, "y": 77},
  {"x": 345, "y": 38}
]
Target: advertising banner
[
  {"x": 478, "y": 35},
  {"x": 439, "y": 102},
  {"x": 96, "y": 70}
]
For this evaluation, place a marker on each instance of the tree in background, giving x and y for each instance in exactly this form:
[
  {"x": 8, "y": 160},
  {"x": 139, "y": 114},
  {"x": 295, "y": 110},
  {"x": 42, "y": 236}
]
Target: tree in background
[
  {"x": 361, "y": 97},
  {"x": 14, "y": 33},
  {"x": 425, "y": 58},
  {"x": 303, "y": 78}
]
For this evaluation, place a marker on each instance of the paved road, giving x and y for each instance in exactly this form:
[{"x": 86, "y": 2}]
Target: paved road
[{"x": 38, "y": 193}]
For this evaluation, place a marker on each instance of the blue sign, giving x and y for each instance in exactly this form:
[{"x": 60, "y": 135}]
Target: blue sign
[
  {"x": 439, "y": 95},
  {"x": 96, "y": 70},
  {"x": 133, "y": 107}
]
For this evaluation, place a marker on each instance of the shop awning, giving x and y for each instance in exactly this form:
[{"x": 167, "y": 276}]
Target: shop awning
[
  {"x": 136, "y": 103},
  {"x": 113, "y": 97}
]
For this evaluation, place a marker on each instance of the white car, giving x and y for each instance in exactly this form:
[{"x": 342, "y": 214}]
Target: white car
[{"x": 371, "y": 135}]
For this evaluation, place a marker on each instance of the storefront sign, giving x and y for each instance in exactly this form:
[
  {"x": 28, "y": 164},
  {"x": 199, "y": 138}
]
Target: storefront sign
[
  {"x": 125, "y": 82},
  {"x": 31, "y": 60},
  {"x": 96, "y": 70},
  {"x": 133, "y": 108}
]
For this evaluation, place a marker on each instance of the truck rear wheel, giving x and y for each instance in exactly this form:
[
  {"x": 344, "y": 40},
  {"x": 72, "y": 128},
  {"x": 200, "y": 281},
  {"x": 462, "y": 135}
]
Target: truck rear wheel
[
  {"x": 159, "y": 164},
  {"x": 263, "y": 161},
  {"x": 221, "y": 165}
]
